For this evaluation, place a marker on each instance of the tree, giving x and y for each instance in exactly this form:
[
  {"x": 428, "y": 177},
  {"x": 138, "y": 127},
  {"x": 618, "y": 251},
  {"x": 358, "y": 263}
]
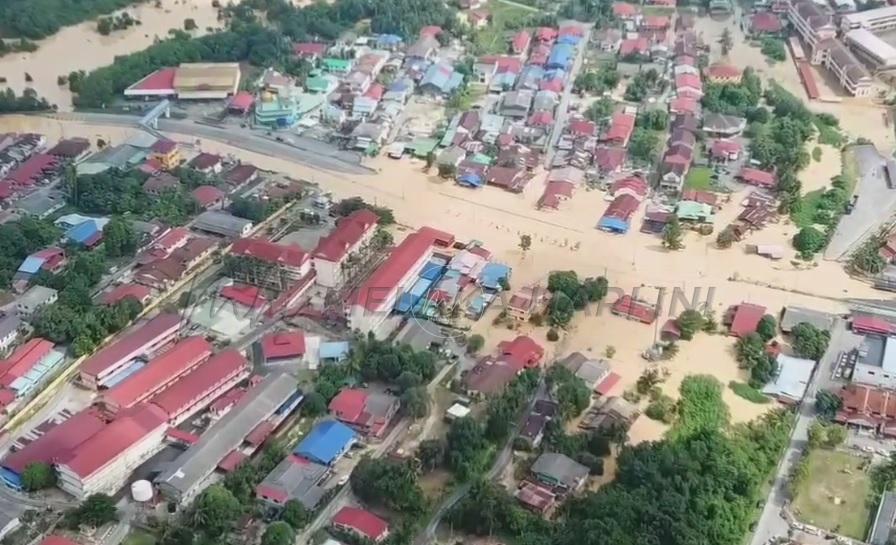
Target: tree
[
  {"x": 466, "y": 448},
  {"x": 216, "y": 510},
  {"x": 104, "y": 26},
  {"x": 295, "y": 514},
  {"x": 654, "y": 119},
  {"x": 475, "y": 343},
  {"x": 119, "y": 238},
  {"x": 95, "y": 511},
  {"x": 726, "y": 238},
  {"x": 278, "y": 533},
  {"x": 773, "y": 49},
  {"x": 566, "y": 282},
  {"x": 190, "y": 24},
  {"x": 447, "y": 170},
  {"x": 561, "y": 310},
  {"x": 767, "y": 327},
  {"x": 643, "y": 145},
  {"x": 600, "y": 109},
  {"x": 569, "y": 391},
  {"x": 689, "y": 322},
  {"x": 726, "y": 41},
  {"x": 525, "y": 243},
  {"x": 173, "y": 534},
  {"x": 314, "y": 404},
  {"x": 38, "y": 476},
  {"x": 809, "y": 341},
  {"x": 415, "y": 402},
  {"x": 389, "y": 483},
  {"x": 672, "y": 235},
  {"x": 826, "y": 435},
  {"x": 596, "y": 288},
  {"x": 808, "y": 241},
  {"x": 827, "y": 404},
  {"x": 431, "y": 454}
]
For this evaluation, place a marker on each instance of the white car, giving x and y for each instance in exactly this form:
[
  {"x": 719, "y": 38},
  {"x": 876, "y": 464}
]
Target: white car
[{"x": 342, "y": 480}]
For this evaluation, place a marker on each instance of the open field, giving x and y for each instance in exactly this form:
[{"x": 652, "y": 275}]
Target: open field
[
  {"x": 699, "y": 178},
  {"x": 835, "y": 476},
  {"x": 493, "y": 38}
]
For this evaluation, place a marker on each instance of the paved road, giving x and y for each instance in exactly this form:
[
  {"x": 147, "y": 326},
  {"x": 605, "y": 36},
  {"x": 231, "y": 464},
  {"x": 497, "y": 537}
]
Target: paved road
[
  {"x": 771, "y": 523},
  {"x": 306, "y": 151},
  {"x": 563, "y": 107},
  {"x": 427, "y": 535}
]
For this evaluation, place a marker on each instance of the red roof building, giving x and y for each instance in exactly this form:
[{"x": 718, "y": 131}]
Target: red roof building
[
  {"x": 541, "y": 119},
  {"x": 158, "y": 374},
  {"x": 580, "y": 127},
  {"x": 164, "y": 245},
  {"x": 808, "y": 79},
  {"x": 260, "y": 433},
  {"x": 361, "y": 523},
  {"x": 124, "y": 442},
  {"x": 57, "y": 540},
  {"x": 244, "y": 294},
  {"x": 519, "y": 45},
  {"x": 310, "y": 50},
  {"x": 546, "y": 35},
  {"x": 208, "y": 196},
  {"x": 290, "y": 260},
  {"x": 689, "y": 82},
  {"x": 634, "y": 46},
  {"x": 352, "y": 233},
  {"x": 866, "y": 406},
  {"x": 159, "y": 183},
  {"x": 865, "y": 324},
  {"x": 33, "y": 170},
  {"x": 241, "y": 102},
  {"x": 206, "y": 162},
  {"x": 57, "y": 442},
  {"x": 159, "y": 83},
  {"x": 368, "y": 413},
  {"x": 760, "y": 178},
  {"x": 631, "y": 308},
  {"x": 139, "y": 293},
  {"x": 702, "y": 197},
  {"x": 535, "y": 497},
  {"x": 556, "y": 85},
  {"x": 508, "y": 178},
  {"x": 539, "y": 55},
  {"x": 724, "y": 150},
  {"x": 233, "y": 460},
  {"x": 655, "y": 22},
  {"x": 522, "y": 352},
  {"x": 723, "y": 73},
  {"x": 624, "y": 10},
  {"x": 605, "y": 386},
  {"x": 765, "y": 22},
  {"x": 635, "y": 186},
  {"x": 283, "y": 345},
  {"x": 201, "y": 386},
  {"x": 137, "y": 341},
  {"x": 609, "y": 159},
  {"x": 683, "y": 105},
  {"x": 431, "y": 31},
  {"x": 743, "y": 319},
  {"x": 241, "y": 175},
  {"x": 620, "y": 130},
  {"x": 25, "y": 358},
  {"x": 555, "y": 193}
]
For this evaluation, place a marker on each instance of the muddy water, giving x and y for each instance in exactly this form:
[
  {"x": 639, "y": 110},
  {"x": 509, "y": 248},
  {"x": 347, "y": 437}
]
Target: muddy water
[{"x": 81, "y": 47}]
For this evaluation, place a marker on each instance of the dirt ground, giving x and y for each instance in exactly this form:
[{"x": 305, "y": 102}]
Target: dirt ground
[
  {"x": 81, "y": 47},
  {"x": 858, "y": 116},
  {"x": 631, "y": 261}
]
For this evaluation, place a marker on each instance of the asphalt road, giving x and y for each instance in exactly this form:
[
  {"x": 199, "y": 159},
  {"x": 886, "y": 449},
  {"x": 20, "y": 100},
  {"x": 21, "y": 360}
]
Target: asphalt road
[
  {"x": 427, "y": 535},
  {"x": 771, "y": 523},
  {"x": 563, "y": 107},
  {"x": 305, "y": 150}
]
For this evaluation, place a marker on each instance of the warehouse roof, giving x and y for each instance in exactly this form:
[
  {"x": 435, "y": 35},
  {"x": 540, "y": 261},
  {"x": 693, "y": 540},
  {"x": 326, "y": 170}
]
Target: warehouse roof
[
  {"x": 131, "y": 344},
  {"x": 57, "y": 442},
  {"x": 191, "y": 468},
  {"x": 200, "y": 380},
  {"x": 221, "y": 223},
  {"x": 159, "y": 371},
  {"x": 326, "y": 442},
  {"x": 24, "y": 359}
]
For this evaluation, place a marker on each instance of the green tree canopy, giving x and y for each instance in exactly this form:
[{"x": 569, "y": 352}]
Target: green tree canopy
[
  {"x": 278, "y": 533},
  {"x": 216, "y": 510},
  {"x": 38, "y": 476}
]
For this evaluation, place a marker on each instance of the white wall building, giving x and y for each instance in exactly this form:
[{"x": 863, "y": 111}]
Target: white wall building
[{"x": 351, "y": 235}]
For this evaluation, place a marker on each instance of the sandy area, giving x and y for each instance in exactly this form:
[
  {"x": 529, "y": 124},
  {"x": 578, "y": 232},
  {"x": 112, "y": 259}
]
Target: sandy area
[
  {"x": 858, "y": 116},
  {"x": 81, "y": 47},
  {"x": 632, "y": 261}
]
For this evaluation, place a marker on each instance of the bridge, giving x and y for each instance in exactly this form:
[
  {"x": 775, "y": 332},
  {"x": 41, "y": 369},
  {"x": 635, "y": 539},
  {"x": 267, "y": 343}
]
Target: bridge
[{"x": 151, "y": 119}]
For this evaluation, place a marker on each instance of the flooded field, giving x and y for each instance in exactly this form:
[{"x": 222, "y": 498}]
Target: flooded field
[{"x": 81, "y": 47}]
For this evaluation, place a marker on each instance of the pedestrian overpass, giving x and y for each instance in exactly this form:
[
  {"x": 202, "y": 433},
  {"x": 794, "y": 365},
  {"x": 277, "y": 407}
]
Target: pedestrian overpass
[{"x": 151, "y": 119}]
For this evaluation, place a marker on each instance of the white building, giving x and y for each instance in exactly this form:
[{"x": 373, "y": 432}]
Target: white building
[
  {"x": 103, "y": 463},
  {"x": 813, "y": 23},
  {"x": 849, "y": 71},
  {"x": 875, "y": 20},
  {"x": 876, "y": 362},
  {"x": 871, "y": 49},
  {"x": 9, "y": 331},
  {"x": 352, "y": 234},
  {"x": 35, "y": 298}
]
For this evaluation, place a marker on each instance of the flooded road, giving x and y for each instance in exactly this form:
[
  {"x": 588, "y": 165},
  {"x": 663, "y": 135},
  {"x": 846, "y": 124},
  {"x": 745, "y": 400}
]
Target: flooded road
[{"x": 81, "y": 47}]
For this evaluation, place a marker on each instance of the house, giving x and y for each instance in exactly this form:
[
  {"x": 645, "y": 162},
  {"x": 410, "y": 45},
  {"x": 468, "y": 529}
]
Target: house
[
  {"x": 609, "y": 159},
  {"x": 630, "y": 47},
  {"x": 561, "y": 56},
  {"x": 672, "y": 176},
  {"x": 868, "y": 407},
  {"x": 723, "y": 125},
  {"x": 361, "y": 523},
  {"x": 620, "y": 130},
  {"x": 207, "y": 163},
  {"x": 743, "y": 319},
  {"x": 222, "y": 223},
  {"x": 702, "y": 197},
  {"x": 724, "y": 150},
  {"x": 516, "y": 104},
  {"x": 519, "y": 44},
  {"x": 311, "y": 51},
  {"x": 683, "y": 105},
  {"x": 159, "y": 183},
  {"x": 555, "y": 193},
  {"x": 535, "y": 497},
  {"x": 141, "y": 294},
  {"x": 581, "y": 128},
  {"x": 543, "y": 411},
  {"x": 791, "y": 379},
  {"x": 759, "y": 178},
  {"x": 351, "y": 235},
  {"x": 208, "y": 197},
  {"x": 326, "y": 442},
  {"x": 591, "y": 371},
  {"x": 451, "y": 157},
  {"x": 509, "y": 178},
  {"x": 70, "y": 149},
  {"x": 522, "y": 352},
  {"x": 656, "y": 22},
  {"x": 694, "y": 212},
  {"x": 283, "y": 265},
  {"x": 615, "y": 411},
  {"x": 625, "y": 11},
  {"x": 166, "y": 153},
  {"x": 525, "y": 302},
  {"x": 633, "y": 309},
  {"x": 283, "y": 347},
  {"x": 723, "y": 73},
  {"x": 765, "y": 23},
  {"x": 634, "y": 185},
  {"x": 34, "y": 299},
  {"x": 367, "y": 412},
  {"x": 294, "y": 478},
  {"x": 440, "y": 79},
  {"x": 51, "y": 260},
  {"x": 617, "y": 216},
  {"x": 608, "y": 40},
  {"x": 688, "y": 85},
  {"x": 336, "y": 66},
  {"x": 241, "y": 175},
  {"x": 424, "y": 49},
  {"x": 559, "y": 472},
  {"x": 87, "y": 234}
]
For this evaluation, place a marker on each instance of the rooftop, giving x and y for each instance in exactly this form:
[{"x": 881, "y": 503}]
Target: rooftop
[
  {"x": 131, "y": 344},
  {"x": 193, "y": 385}
]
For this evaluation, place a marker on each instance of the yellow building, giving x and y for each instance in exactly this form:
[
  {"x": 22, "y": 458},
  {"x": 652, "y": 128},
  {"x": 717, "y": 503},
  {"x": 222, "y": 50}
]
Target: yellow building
[{"x": 166, "y": 153}]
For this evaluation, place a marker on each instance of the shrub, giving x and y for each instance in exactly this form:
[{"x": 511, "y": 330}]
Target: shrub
[{"x": 552, "y": 335}]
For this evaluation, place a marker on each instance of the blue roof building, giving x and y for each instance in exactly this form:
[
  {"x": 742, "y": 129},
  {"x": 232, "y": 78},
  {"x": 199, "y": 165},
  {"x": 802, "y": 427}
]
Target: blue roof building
[
  {"x": 31, "y": 265},
  {"x": 491, "y": 275},
  {"x": 334, "y": 350},
  {"x": 326, "y": 443},
  {"x": 440, "y": 78},
  {"x": 388, "y": 41},
  {"x": 613, "y": 225},
  {"x": 87, "y": 233},
  {"x": 560, "y": 57}
]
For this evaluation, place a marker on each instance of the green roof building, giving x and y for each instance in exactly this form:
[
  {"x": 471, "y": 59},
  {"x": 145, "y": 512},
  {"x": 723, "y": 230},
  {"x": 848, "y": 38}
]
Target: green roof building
[
  {"x": 337, "y": 66},
  {"x": 694, "y": 211},
  {"x": 422, "y": 147}
]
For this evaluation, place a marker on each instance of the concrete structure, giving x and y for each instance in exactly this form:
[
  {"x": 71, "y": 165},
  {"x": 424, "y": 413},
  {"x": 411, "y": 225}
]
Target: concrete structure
[
  {"x": 269, "y": 264},
  {"x": 874, "y": 51},
  {"x": 187, "y": 475},
  {"x": 351, "y": 235},
  {"x": 9, "y": 330},
  {"x": 793, "y": 315},
  {"x": 813, "y": 23},
  {"x": 35, "y": 298},
  {"x": 875, "y": 20},
  {"x": 791, "y": 380},
  {"x": 559, "y": 471},
  {"x": 876, "y": 362},
  {"x": 102, "y": 463},
  {"x": 137, "y": 341},
  {"x": 222, "y": 223},
  {"x": 849, "y": 71},
  {"x": 26, "y": 368},
  {"x": 374, "y": 300}
]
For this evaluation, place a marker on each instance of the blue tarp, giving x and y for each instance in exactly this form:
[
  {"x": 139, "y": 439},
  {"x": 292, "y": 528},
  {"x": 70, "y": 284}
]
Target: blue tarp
[
  {"x": 31, "y": 265},
  {"x": 569, "y": 39},
  {"x": 491, "y": 275},
  {"x": 326, "y": 443},
  {"x": 613, "y": 225},
  {"x": 560, "y": 56},
  {"x": 406, "y": 302},
  {"x": 420, "y": 287},
  {"x": 11, "y": 478},
  {"x": 432, "y": 271},
  {"x": 471, "y": 180},
  {"x": 335, "y": 350}
]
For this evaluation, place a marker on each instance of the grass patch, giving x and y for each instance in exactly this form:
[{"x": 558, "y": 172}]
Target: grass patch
[
  {"x": 744, "y": 390},
  {"x": 699, "y": 178},
  {"x": 137, "y": 537},
  {"x": 492, "y": 40},
  {"x": 833, "y": 474},
  {"x": 657, "y": 10},
  {"x": 809, "y": 204}
]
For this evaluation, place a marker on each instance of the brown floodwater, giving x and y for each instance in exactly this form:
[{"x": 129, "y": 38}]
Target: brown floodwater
[{"x": 81, "y": 47}]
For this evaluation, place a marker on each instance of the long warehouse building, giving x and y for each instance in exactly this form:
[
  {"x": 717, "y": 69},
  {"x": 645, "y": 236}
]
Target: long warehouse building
[
  {"x": 138, "y": 341},
  {"x": 188, "y": 474},
  {"x": 876, "y": 20},
  {"x": 871, "y": 49},
  {"x": 158, "y": 374},
  {"x": 201, "y": 386}
]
